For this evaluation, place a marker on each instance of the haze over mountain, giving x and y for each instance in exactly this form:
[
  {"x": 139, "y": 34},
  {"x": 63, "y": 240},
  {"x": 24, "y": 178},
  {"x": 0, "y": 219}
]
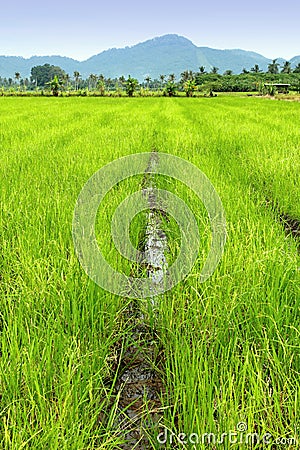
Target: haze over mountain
[{"x": 161, "y": 55}]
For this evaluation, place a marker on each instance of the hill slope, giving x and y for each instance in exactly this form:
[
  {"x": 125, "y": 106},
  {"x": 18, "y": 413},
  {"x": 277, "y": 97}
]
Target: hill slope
[{"x": 161, "y": 55}]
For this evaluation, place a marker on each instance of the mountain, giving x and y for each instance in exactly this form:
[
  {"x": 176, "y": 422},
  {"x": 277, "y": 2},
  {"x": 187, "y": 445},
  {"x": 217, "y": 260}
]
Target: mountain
[
  {"x": 295, "y": 61},
  {"x": 236, "y": 60},
  {"x": 161, "y": 55},
  {"x": 9, "y": 65}
]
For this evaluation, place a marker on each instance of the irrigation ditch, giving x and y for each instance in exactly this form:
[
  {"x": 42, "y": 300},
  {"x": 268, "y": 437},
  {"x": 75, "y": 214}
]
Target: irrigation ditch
[
  {"x": 290, "y": 224},
  {"x": 139, "y": 385}
]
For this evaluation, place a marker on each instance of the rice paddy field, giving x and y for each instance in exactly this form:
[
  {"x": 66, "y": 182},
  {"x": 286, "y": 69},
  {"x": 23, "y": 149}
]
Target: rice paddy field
[{"x": 227, "y": 349}]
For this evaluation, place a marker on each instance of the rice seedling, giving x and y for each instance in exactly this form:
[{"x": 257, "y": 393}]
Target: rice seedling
[{"x": 229, "y": 347}]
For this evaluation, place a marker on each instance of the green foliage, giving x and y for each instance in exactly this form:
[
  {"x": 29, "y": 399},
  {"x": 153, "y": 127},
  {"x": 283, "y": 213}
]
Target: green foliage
[
  {"x": 41, "y": 75},
  {"x": 101, "y": 87},
  {"x": 187, "y": 75},
  {"x": 228, "y": 349},
  {"x": 55, "y": 86},
  {"x": 245, "y": 82},
  {"x": 256, "y": 69},
  {"x": 269, "y": 89},
  {"x": 190, "y": 87},
  {"x": 273, "y": 67},
  {"x": 286, "y": 68},
  {"x": 83, "y": 92},
  {"x": 98, "y": 85},
  {"x": 170, "y": 89},
  {"x": 76, "y": 79},
  {"x": 131, "y": 85},
  {"x": 297, "y": 68}
]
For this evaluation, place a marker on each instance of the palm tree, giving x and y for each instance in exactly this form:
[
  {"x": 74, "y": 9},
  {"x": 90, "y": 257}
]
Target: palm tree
[
  {"x": 255, "y": 69},
  {"x": 76, "y": 77},
  {"x": 162, "y": 79},
  {"x": 172, "y": 77},
  {"x": 297, "y": 68},
  {"x": 273, "y": 66},
  {"x": 286, "y": 68},
  {"x": 202, "y": 69},
  {"x": 122, "y": 80},
  {"x": 187, "y": 75},
  {"x": 184, "y": 76},
  {"x": 214, "y": 69},
  {"x": 17, "y": 76},
  {"x": 95, "y": 79},
  {"x": 66, "y": 80},
  {"x": 148, "y": 79},
  {"x": 92, "y": 81},
  {"x": 108, "y": 83},
  {"x": 228, "y": 72},
  {"x": 101, "y": 84}
]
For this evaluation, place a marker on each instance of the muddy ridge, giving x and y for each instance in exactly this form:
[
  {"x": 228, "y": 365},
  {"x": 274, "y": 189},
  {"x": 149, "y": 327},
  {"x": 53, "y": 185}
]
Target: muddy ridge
[
  {"x": 291, "y": 224},
  {"x": 139, "y": 385}
]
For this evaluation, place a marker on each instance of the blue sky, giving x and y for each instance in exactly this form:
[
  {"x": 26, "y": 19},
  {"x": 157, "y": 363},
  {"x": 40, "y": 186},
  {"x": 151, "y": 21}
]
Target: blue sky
[{"x": 81, "y": 29}]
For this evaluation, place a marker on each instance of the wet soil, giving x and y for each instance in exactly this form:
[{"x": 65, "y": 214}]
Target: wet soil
[{"x": 139, "y": 385}]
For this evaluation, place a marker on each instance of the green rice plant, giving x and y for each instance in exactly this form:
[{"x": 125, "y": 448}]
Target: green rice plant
[{"x": 229, "y": 346}]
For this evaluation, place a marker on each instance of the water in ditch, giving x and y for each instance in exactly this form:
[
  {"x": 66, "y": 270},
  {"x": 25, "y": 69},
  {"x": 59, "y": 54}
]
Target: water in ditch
[{"x": 139, "y": 386}]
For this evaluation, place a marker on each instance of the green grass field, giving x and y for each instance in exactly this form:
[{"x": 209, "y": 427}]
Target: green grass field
[{"x": 230, "y": 345}]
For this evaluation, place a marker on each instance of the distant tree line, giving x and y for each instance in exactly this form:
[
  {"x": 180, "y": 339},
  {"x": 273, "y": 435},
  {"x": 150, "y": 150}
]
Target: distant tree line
[{"x": 54, "y": 79}]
